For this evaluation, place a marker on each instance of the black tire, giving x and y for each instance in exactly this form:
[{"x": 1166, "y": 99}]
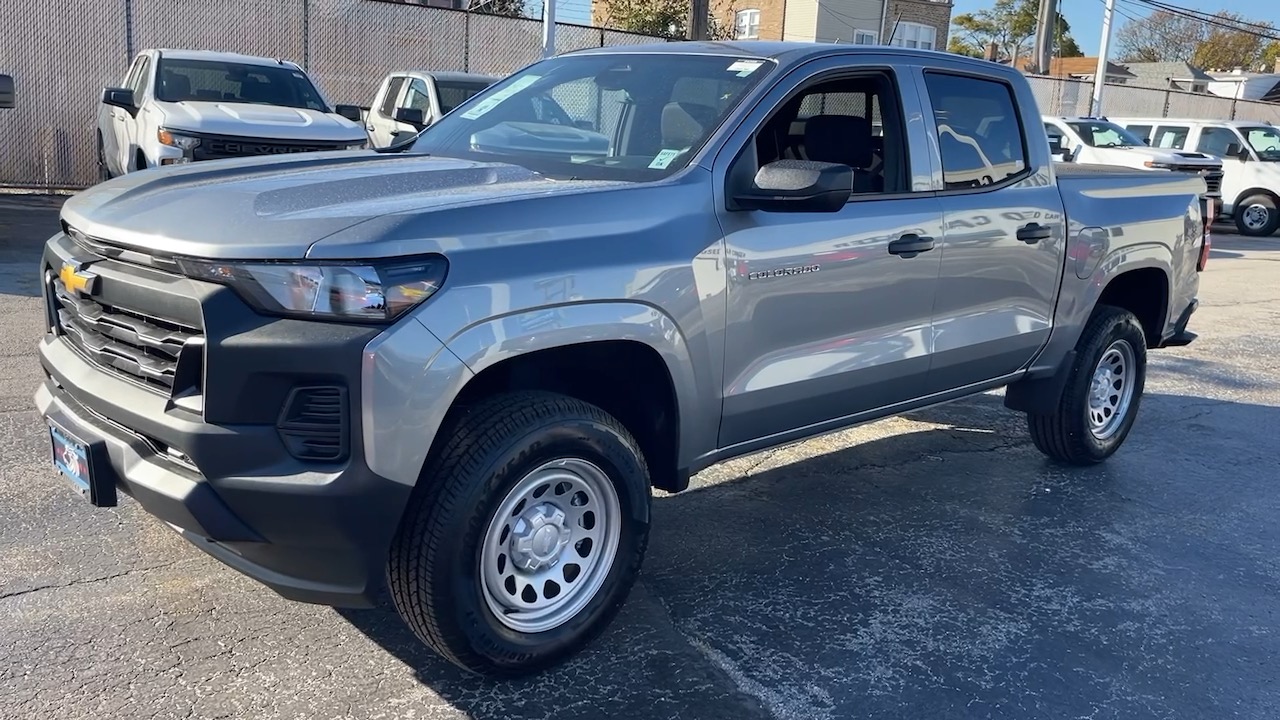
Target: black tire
[
  {"x": 435, "y": 562},
  {"x": 1066, "y": 435},
  {"x": 1257, "y": 216}
]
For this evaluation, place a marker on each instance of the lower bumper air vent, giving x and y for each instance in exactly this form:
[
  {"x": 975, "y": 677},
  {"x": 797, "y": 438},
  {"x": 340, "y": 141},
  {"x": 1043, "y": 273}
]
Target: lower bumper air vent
[{"x": 314, "y": 423}]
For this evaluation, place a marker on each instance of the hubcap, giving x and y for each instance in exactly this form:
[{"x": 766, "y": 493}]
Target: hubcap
[
  {"x": 550, "y": 545},
  {"x": 1111, "y": 390},
  {"x": 1256, "y": 217}
]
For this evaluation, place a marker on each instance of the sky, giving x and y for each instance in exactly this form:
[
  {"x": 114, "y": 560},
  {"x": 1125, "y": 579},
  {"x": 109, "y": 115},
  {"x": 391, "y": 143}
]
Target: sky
[{"x": 1085, "y": 16}]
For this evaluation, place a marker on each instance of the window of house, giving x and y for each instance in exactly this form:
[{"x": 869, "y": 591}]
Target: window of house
[
  {"x": 979, "y": 133},
  {"x": 746, "y": 25},
  {"x": 915, "y": 35},
  {"x": 849, "y": 121},
  {"x": 865, "y": 37}
]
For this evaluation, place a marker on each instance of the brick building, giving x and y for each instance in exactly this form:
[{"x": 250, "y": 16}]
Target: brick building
[{"x": 907, "y": 23}]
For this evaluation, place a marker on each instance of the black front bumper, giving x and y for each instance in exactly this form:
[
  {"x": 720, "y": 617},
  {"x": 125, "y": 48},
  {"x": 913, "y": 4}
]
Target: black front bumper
[{"x": 217, "y": 466}]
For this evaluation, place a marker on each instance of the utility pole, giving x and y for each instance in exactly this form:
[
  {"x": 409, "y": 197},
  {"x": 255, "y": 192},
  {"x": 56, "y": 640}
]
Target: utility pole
[
  {"x": 699, "y": 15},
  {"x": 1046, "y": 29},
  {"x": 548, "y": 28},
  {"x": 1100, "y": 77}
]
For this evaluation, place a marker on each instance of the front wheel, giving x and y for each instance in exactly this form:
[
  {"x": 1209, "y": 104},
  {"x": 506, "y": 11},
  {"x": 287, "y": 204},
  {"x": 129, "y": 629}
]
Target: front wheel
[
  {"x": 525, "y": 534},
  {"x": 1101, "y": 396},
  {"x": 1257, "y": 216}
]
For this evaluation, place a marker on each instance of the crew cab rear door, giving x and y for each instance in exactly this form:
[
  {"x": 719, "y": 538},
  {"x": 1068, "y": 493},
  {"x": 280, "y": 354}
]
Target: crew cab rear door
[
  {"x": 828, "y": 313},
  {"x": 1004, "y": 245}
]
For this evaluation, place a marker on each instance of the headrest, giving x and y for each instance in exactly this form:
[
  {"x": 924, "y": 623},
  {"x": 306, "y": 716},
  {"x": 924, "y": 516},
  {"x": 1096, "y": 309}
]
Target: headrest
[{"x": 842, "y": 139}]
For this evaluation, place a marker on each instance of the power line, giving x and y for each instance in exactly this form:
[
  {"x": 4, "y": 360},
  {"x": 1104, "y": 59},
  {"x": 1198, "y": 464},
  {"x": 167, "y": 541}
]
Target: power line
[
  {"x": 1211, "y": 18},
  {"x": 1222, "y": 24}
]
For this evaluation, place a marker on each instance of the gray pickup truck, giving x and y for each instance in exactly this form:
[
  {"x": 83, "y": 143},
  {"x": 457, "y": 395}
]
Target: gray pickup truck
[{"x": 456, "y": 372}]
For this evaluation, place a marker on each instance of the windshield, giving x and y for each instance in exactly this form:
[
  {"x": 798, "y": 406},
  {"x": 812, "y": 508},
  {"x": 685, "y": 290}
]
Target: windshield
[
  {"x": 1105, "y": 135},
  {"x": 213, "y": 81},
  {"x": 454, "y": 93},
  {"x": 601, "y": 117},
  {"x": 1264, "y": 140}
]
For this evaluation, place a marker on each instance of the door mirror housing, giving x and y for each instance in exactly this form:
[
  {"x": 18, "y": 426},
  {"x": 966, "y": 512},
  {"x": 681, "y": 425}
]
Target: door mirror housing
[
  {"x": 797, "y": 186},
  {"x": 6, "y": 92},
  {"x": 1237, "y": 151},
  {"x": 412, "y": 116},
  {"x": 119, "y": 97},
  {"x": 1058, "y": 149},
  {"x": 350, "y": 112}
]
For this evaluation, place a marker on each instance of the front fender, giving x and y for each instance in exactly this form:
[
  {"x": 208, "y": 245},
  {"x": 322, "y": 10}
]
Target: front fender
[{"x": 485, "y": 344}]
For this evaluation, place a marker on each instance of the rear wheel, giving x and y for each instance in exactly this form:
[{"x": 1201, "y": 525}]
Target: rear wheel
[
  {"x": 525, "y": 534},
  {"x": 1257, "y": 216},
  {"x": 1100, "y": 399}
]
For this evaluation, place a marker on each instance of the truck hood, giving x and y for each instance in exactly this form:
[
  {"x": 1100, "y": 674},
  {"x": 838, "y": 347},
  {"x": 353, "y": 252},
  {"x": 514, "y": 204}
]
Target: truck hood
[
  {"x": 277, "y": 208},
  {"x": 259, "y": 121},
  {"x": 1138, "y": 155}
]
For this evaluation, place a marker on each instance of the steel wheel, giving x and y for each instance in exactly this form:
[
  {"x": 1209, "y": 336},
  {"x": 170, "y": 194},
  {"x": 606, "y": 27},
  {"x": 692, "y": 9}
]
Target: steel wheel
[
  {"x": 550, "y": 546},
  {"x": 1256, "y": 216},
  {"x": 1111, "y": 390}
]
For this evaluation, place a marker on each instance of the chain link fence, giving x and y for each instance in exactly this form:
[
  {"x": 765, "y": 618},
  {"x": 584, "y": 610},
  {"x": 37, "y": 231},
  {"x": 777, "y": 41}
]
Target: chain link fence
[
  {"x": 1074, "y": 98},
  {"x": 61, "y": 54}
]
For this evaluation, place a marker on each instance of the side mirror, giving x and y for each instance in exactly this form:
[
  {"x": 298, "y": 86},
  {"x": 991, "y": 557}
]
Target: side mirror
[
  {"x": 1237, "y": 151},
  {"x": 1058, "y": 149},
  {"x": 412, "y": 116},
  {"x": 6, "y": 91},
  {"x": 798, "y": 186},
  {"x": 119, "y": 97},
  {"x": 350, "y": 112}
]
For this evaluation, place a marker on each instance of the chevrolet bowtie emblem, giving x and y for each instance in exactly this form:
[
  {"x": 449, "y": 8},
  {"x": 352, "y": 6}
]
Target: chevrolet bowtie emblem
[{"x": 77, "y": 281}]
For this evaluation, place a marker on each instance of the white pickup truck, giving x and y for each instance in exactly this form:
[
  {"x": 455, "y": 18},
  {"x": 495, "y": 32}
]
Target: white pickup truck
[
  {"x": 408, "y": 101},
  {"x": 1098, "y": 141},
  {"x": 180, "y": 106}
]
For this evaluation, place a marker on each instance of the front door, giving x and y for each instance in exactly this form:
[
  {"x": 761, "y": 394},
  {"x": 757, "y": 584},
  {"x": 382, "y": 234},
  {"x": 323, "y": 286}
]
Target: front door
[
  {"x": 828, "y": 315},
  {"x": 380, "y": 122},
  {"x": 1004, "y": 246}
]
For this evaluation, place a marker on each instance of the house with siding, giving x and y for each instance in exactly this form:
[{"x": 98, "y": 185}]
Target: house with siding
[
  {"x": 905, "y": 23},
  {"x": 1168, "y": 76}
]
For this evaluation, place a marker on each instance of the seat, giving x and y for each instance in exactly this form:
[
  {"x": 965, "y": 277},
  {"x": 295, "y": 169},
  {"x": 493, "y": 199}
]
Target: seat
[
  {"x": 176, "y": 87},
  {"x": 846, "y": 140},
  {"x": 685, "y": 124}
]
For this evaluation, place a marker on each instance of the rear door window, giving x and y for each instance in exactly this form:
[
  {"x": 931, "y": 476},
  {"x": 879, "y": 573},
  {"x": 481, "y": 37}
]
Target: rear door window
[
  {"x": 979, "y": 132},
  {"x": 1170, "y": 137},
  {"x": 1215, "y": 140}
]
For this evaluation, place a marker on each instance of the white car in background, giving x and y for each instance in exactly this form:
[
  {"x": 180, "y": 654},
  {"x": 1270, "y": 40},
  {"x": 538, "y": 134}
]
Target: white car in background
[
  {"x": 409, "y": 101},
  {"x": 1250, "y": 153},
  {"x": 1098, "y": 141},
  {"x": 179, "y": 106}
]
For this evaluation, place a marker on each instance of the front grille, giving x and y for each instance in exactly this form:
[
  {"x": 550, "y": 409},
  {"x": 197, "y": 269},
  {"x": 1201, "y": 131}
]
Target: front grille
[
  {"x": 313, "y": 424},
  {"x": 218, "y": 147},
  {"x": 1212, "y": 178},
  {"x": 137, "y": 345}
]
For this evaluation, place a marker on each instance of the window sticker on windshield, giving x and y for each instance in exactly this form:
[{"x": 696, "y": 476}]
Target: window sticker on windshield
[
  {"x": 663, "y": 159},
  {"x": 500, "y": 97},
  {"x": 745, "y": 67}
]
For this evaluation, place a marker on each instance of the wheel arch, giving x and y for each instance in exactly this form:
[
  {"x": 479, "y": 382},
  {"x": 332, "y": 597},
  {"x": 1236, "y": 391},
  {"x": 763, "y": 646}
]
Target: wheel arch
[{"x": 1250, "y": 193}]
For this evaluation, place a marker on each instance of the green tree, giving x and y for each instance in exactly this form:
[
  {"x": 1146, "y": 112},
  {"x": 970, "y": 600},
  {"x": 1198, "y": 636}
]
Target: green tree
[
  {"x": 658, "y": 18},
  {"x": 1011, "y": 25},
  {"x": 506, "y": 8},
  {"x": 1270, "y": 56},
  {"x": 1159, "y": 37},
  {"x": 1239, "y": 46}
]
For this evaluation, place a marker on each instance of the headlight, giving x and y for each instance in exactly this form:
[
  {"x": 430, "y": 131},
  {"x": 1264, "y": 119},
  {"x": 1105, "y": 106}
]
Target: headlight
[
  {"x": 376, "y": 292},
  {"x": 172, "y": 139},
  {"x": 1158, "y": 165}
]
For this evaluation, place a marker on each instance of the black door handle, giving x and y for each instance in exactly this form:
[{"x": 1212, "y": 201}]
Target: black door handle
[
  {"x": 910, "y": 245},
  {"x": 1034, "y": 233}
]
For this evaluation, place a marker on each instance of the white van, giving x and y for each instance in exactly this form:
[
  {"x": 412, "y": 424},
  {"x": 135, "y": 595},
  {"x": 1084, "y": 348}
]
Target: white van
[{"x": 1250, "y": 153}]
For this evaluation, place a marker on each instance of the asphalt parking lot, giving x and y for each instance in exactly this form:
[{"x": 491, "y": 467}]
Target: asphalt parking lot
[{"x": 933, "y": 566}]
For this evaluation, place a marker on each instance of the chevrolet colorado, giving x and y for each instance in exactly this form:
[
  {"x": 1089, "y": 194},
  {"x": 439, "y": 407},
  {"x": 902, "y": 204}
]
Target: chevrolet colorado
[{"x": 456, "y": 372}]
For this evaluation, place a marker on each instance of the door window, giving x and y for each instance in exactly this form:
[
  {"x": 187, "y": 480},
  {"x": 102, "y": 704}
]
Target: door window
[
  {"x": 1170, "y": 137},
  {"x": 139, "y": 84},
  {"x": 850, "y": 121},
  {"x": 135, "y": 68},
  {"x": 979, "y": 133},
  {"x": 1214, "y": 140},
  {"x": 1142, "y": 132},
  {"x": 388, "y": 107},
  {"x": 418, "y": 99}
]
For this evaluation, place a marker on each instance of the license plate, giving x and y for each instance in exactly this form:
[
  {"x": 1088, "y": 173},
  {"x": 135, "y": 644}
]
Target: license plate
[{"x": 74, "y": 459}]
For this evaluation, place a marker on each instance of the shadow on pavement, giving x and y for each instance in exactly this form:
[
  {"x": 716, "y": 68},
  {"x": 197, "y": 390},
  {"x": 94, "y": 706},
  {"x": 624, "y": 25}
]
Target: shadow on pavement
[
  {"x": 26, "y": 222},
  {"x": 950, "y": 571}
]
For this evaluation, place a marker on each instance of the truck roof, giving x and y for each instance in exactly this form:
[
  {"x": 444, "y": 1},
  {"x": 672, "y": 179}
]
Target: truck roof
[
  {"x": 178, "y": 54},
  {"x": 789, "y": 52},
  {"x": 1194, "y": 121},
  {"x": 447, "y": 76}
]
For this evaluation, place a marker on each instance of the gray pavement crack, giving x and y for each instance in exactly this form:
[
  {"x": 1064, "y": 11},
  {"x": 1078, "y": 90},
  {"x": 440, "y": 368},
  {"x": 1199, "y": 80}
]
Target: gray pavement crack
[{"x": 88, "y": 581}]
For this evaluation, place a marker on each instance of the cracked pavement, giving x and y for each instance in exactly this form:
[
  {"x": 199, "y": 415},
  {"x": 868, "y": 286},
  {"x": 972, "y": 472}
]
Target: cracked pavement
[{"x": 931, "y": 566}]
